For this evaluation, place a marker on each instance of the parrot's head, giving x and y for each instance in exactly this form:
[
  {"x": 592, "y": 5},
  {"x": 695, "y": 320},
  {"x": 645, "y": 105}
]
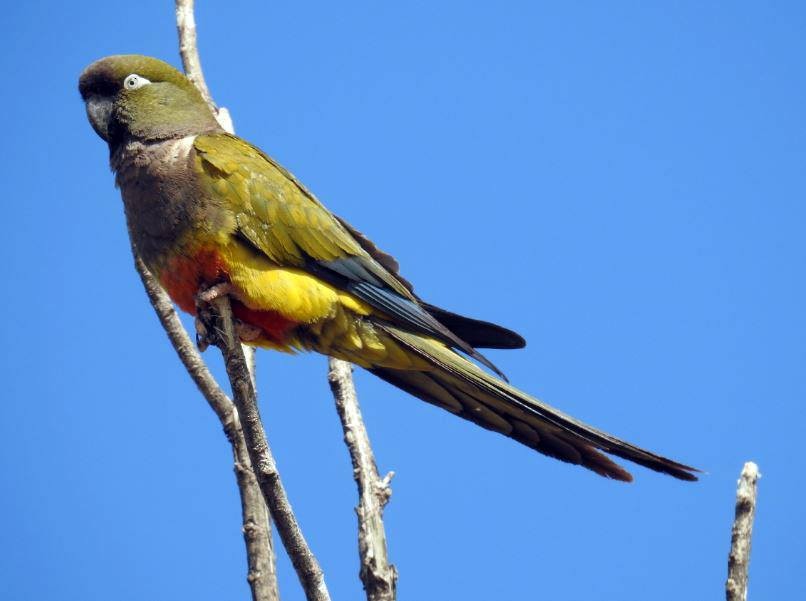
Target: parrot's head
[{"x": 133, "y": 97}]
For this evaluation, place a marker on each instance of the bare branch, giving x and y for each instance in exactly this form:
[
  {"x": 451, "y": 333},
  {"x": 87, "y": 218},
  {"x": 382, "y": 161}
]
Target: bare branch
[
  {"x": 263, "y": 464},
  {"x": 260, "y": 556},
  {"x": 256, "y": 528},
  {"x": 189, "y": 50},
  {"x": 739, "y": 558},
  {"x": 377, "y": 574},
  {"x": 191, "y": 63}
]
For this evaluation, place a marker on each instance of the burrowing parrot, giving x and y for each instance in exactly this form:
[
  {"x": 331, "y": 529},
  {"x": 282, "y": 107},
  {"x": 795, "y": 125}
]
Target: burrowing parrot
[{"x": 207, "y": 209}]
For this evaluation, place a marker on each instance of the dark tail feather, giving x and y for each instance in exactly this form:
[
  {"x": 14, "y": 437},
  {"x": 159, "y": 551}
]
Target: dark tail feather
[
  {"x": 428, "y": 388},
  {"x": 464, "y": 389},
  {"x": 477, "y": 333}
]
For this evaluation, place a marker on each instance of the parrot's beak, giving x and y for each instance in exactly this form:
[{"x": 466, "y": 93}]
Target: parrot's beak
[{"x": 99, "y": 110}]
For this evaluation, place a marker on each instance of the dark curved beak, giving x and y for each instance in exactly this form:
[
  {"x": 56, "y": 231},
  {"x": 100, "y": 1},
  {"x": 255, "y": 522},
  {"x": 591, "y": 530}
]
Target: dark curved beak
[{"x": 99, "y": 110}]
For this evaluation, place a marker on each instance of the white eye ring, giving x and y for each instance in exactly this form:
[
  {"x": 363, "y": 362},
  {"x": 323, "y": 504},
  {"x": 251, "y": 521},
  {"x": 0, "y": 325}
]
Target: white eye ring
[{"x": 134, "y": 81}]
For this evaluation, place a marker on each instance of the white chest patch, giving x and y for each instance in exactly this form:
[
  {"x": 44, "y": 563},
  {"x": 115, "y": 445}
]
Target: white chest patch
[
  {"x": 141, "y": 154},
  {"x": 177, "y": 150}
]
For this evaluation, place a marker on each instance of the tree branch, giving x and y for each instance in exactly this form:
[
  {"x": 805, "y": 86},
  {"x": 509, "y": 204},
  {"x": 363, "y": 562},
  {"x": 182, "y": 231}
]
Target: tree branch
[
  {"x": 739, "y": 558},
  {"x": 262, "y": 576},
  {"x": 377, "y": 574},
  {"x": 219, "y": 315},
  {"x": 191, "y": 63},
  {"x": 189, "y": 49}
]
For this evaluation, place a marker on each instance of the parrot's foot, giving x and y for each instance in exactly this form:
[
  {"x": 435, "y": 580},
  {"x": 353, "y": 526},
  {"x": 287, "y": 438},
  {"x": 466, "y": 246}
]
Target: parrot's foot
[
  {"x": 208, "y": 295},
  {"x": 204, "y": 337},
  {"x": 245, "y": 332}
]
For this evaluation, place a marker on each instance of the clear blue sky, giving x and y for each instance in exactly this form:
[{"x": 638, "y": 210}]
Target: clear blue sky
[{"x": 621, "y": 182}]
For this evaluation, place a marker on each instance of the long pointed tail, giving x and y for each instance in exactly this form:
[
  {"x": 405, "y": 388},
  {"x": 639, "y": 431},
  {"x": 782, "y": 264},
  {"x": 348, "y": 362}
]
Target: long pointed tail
[{"x": 463, "y": 388}]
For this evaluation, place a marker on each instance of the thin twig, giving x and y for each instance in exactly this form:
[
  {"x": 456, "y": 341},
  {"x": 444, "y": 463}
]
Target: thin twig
[
  {"x": 739, "y": 558},
  {"x": 377, "y": 574},
  {"x": 191, "y": 63},
  {"x": 263, "y": 464},
  {"x": 262, "y": 577},
  {"x": 189, "y": 49}
]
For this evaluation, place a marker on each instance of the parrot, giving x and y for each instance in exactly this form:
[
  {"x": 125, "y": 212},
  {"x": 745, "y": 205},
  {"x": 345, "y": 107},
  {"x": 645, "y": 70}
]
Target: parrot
[{"x": 208, "y": 212}]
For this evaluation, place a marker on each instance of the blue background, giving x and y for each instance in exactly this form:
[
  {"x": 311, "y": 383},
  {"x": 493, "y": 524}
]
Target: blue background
[{"x": 621, "y": 182}]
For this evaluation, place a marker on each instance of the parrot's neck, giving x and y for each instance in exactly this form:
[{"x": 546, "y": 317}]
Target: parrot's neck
[{"x": 158, "y": 155}]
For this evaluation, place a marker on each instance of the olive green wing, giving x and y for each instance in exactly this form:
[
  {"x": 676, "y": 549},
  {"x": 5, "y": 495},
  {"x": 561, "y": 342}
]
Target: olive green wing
[
  {"x": 277, "y": 216},
  {"x": 274, "y": 212}
]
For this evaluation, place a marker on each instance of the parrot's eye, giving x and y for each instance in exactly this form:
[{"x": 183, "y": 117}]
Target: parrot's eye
[{"x": 134, "y": 81}]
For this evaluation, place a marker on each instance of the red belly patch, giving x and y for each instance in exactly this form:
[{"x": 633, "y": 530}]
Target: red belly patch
[
  {"x": 275, "y": 327},
  {"x": 183, "y": 276}
]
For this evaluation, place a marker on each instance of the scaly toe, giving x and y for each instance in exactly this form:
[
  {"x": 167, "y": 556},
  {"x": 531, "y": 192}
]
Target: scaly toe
[{"x": 213, "y": 292}]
